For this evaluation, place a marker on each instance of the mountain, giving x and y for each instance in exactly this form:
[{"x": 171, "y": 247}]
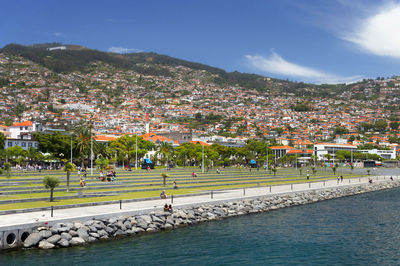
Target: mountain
[{"x": 77, "y": 58}]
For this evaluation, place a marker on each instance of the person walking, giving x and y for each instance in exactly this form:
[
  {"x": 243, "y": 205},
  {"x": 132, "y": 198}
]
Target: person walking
[{"x": 338, "y": 180}]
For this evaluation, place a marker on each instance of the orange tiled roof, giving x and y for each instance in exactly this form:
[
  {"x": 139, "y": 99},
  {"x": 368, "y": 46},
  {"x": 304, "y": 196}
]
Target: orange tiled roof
[
  {"x": 299, "y": 151},
  {"x": 104, "y": 138},
  {"x": 284, "y": 147},
  {"x": 199, "y": 142},
  {"x": 23, "y": 124}
]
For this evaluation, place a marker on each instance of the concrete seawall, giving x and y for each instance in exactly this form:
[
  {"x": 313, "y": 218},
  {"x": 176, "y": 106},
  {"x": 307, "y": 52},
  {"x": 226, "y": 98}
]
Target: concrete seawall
[{"x": 80, "y": 227}]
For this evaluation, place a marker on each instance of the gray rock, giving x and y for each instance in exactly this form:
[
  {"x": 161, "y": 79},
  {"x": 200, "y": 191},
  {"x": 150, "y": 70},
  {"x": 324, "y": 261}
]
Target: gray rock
[
  {"x": 45, "y": 234},
  {"x": 127, "y": 225},
  {"x": 150, "y": 229},
  {"x": 54, "y": 230},
  {"x": 73, "y": 233},
  {"x": 63, "y": 242},
  {"x": 96, "y": 235},
  {"x": 92, "y": 228},
  {"x": 45, "y": 245},
  {"x": 32, "y": 240},
  {"x": 168, "y": 226},
  {"x": 137, "y": 230},
  {"x": 102, "y": 233},
  {"x": 66, "y": 236},
  {"x": 76, "y": 241},
  {"x": 110, "y": 230},
  {"x": 91, "y": 239},
  {"x": 54, "y": 239},
  {"x": 62, "y": 229},
  {"x": 146, "y": 218},
  {"x": 83, "y": 233},
  {"x": 120, "y": 233}
]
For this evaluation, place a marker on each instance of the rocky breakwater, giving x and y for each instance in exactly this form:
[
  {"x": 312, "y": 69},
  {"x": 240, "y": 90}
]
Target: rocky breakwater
[{"x": 78, "y": 233}]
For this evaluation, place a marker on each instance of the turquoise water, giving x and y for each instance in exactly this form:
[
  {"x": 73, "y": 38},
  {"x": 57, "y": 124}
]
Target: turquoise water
[{"x": 359, "y": 230}]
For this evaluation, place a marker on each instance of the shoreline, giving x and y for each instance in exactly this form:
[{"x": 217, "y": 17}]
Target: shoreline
[{"x": 78, "y": 231}]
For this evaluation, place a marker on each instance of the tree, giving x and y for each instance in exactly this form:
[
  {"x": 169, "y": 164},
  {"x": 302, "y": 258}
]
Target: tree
[
  {"x": 2, "y": 141},
  {"x": 68, "y": 167},
  {"x": 164, "y": 176},
  {"x": 380, "y": 125},
  {"x": 51, "y": 182},
  {"x": 164, "y": 151},
  {"x": 274, "y": 170},
  {"x": 394, "y": 125},
  {"x": 102, "y": 163},
  {"x": 7, "y": 168}
]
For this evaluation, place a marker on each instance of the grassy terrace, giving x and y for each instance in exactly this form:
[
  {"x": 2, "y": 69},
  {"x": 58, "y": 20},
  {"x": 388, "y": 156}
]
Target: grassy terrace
[{"x": 142, "y": 184}]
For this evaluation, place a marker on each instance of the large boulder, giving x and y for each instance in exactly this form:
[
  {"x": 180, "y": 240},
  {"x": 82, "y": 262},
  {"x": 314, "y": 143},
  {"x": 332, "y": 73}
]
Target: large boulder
[
  {"x": 63, "y": 243},
  {"x": 54, "y": 239},
  {"x": 45, "y": 245},
  {"x": 32, "y": 240},
  {"x": 66, "y": 236},
  {"x": 83, "y": 233},
  {"x": 45, "y": 234},
  {"x": 77, "y": 241},
  {"x": 73, "y": 233}
]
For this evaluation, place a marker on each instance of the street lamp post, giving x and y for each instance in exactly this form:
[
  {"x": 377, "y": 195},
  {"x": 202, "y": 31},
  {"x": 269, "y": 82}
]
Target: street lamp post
[
  {"x": 136, "y": 154},
  {"x": 202, "y": 163},
  {"x": 267, "y": 156},
  {"x": 91, "y": 152},
  {"x": 71, "y": 148}
]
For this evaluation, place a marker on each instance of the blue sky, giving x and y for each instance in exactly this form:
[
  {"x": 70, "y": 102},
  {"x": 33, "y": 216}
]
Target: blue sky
[{"x": 313, "y": 41}]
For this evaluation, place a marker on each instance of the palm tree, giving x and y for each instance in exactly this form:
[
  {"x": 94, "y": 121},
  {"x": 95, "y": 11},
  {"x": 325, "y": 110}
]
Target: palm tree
[
  {"x": 68, "y": 167},
  {"x": 166, "y": 150},
  {"x": 51, "y": 182},
  {"x": 32, "y": 154},
  {"x": 126, "y": 147},
  {"x": 83, "y": 142}
]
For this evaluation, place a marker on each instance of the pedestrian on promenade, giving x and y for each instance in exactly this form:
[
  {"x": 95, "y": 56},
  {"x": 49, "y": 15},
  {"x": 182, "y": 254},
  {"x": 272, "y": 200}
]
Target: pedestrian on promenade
[
  {"x": 338, "y": 180},
  {"x": 341, "y": 178},
  {"x": 308, "y": 176}
]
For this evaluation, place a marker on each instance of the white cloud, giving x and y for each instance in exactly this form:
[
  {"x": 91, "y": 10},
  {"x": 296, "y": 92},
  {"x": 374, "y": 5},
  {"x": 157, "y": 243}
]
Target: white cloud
[
  {"x": 275, "y": 64},
  {"x": 122, "y": 50},
  {"x": 379, "y": 33},
  {"x": 58, "y": 34}
]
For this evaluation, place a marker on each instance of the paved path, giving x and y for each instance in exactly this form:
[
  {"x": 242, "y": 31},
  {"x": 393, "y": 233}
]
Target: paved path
[{"x": 26, "y": 220}]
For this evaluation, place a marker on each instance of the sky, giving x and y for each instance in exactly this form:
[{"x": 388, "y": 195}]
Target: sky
[{"x": 319, "y": 41}]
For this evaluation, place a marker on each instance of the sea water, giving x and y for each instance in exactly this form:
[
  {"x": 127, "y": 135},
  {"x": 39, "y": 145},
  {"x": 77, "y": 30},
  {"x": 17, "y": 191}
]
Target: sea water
[{"x": 356, "y": 230}]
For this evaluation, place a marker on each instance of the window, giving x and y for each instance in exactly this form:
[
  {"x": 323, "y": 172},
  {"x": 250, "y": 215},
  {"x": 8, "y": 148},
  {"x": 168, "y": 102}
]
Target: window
[
  {"x": 23, "y": 144},
  {"x": 20, "y": 128},
  {"x": 30, "y": 144},
  {"x": 9, "y": 144},
  {"x": 36, "y": 145}
]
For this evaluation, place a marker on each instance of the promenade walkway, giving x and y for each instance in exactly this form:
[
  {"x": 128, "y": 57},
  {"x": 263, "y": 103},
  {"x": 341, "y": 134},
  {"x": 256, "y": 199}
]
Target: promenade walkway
[{"x": 26, "y": 220}]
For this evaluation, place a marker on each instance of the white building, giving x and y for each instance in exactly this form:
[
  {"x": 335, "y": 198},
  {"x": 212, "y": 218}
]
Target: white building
[
  {"x": 24, "y": 130},
  {"x": 321, "y": 149},
  {"x": 386, "y": 154}
]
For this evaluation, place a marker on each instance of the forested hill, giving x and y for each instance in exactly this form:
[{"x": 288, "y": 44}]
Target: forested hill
[{"x": 77, "y": 58}]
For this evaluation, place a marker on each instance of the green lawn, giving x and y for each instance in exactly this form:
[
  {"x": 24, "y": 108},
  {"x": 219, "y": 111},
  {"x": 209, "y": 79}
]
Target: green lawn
[{"x": 228, "y": 179}]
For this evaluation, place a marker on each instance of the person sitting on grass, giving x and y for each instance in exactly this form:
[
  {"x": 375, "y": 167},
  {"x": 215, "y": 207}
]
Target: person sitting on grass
[
  {"x": 175, "y": 186},
  {"x": 82, "y": 182},
  {"x": 163, "y": 195},
  {"x": 194, "y": 174}
]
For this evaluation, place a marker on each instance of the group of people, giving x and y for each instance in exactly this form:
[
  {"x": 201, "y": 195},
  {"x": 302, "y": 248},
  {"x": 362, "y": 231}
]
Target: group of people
[
  {"x": 339, "y": 179},
  {"x": 110, "y": 176},
  {"x": 168, "y": 208}
]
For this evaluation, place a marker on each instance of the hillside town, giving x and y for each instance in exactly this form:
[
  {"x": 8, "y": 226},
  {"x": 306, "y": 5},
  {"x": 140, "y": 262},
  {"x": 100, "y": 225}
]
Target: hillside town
[{"x": 186, "y": 106}]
